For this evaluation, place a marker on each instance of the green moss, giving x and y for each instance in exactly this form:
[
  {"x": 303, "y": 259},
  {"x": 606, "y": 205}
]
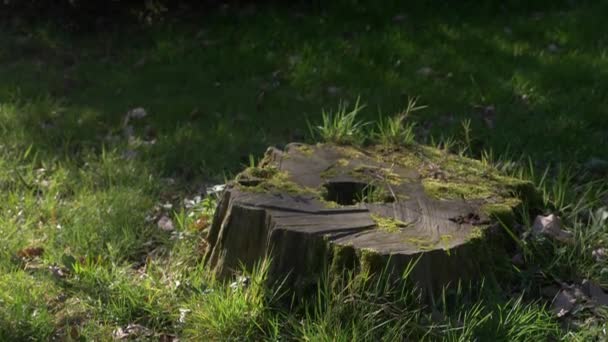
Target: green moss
[
  {"x": 371, "y": 261},
  {"x": 333, "y": 170},
  {"x": 422, "y": 244},
  {"x": 388, "y": 224},
  {"x": 375, "y": 173},
  {"x": 349, "y": 152},
  {"x": 329, "y": 204},
  {"x": 502, "y": 212},
  {"x": 258, "y": 172},
  {"x": 344, "y": 258},
  {"x": 463, "y": 168},
  {"x": 445, "y": 239},
  {"x": 453, "y": 190},
  {"x": 329, "y": 173},
  {"x": 270, "y": 179},
  {"x": 306, "y": 150},
  {"x": 524, "y": 189},
  {"x": 431, "y": 153},
  {"x": 476, "y": 233},
  {"x": 342, "y": 162},
  {"x": 407, "y": 159}
]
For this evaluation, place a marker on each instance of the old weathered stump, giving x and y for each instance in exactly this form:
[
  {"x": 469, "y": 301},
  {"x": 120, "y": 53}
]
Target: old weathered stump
[{"x": 312, "y": 206}]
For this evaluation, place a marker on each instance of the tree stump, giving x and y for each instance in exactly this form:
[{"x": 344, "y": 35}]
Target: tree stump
[{"x": 364, "y": 209}]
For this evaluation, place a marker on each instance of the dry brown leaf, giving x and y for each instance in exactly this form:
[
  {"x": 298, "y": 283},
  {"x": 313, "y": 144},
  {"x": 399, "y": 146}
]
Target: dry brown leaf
[
  {"x": 30, "y": 252},
  {"x": 201, "y": 223}
]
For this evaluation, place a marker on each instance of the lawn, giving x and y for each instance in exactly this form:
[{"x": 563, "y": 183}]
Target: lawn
[{"x": 106, "y": 133}]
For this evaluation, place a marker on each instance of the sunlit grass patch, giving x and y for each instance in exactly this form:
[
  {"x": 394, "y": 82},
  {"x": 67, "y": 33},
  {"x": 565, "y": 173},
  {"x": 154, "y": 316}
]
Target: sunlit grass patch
[
  {"x": 242, "y": 310},
  {"x": 25, "y": 309}
]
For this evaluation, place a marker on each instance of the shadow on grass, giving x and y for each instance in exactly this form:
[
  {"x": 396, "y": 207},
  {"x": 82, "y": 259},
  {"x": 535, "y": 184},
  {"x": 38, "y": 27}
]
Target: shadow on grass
[{"x": 227, "y": 84}]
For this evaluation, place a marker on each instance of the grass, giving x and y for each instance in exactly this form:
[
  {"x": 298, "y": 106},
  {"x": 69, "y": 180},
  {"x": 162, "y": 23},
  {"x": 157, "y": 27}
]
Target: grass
[
  {"x": 396, "y": 130},
  {"x": 341, "y": 127},
  {"x": 82, "y": 255}
]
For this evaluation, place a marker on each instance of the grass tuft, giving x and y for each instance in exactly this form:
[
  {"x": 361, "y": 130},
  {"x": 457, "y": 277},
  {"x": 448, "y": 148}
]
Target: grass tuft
[
  {"x": 396, "y": 130},
  {"x": 341, "y": 127}
]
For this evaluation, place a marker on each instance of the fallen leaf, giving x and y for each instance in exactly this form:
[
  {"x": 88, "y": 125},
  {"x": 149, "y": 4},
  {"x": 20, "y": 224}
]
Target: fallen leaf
[
  {"x": 165, "y": 223},
  {"x": 140, "y": 62},
  {"x": 488, "y": 114},
  {"x": 30, "y": 252},
  {"x": 563, "y": 303},
  {"x": 241, "y": 282},
  {"x": 551, "y": 226},
  {"x": 216, "y": 189},
  {"x": 260, "y": 100},
  {"x": 190, "y": 203},
  {"x": 599, "y": 254},
  {"x": 182, "y": 314},
  {"x": 129, "y": 154},
  {"x": 518, "y": 259},
  {"x": 137, "y": 113},
  {"x": 596, "y": 165},
  {"x": 167, "y": 338},
  {"x": 601, "y": 215},
  {"x": 201, "y": 224},
  {"x": 425, "y": 71},
  {"x": 128, "y": 131},
  {"x": 594, "y": 292},
  {"x": 74, "y": 334},
  {"x": 131, "y": 331},
  {"x": 333, "y": 90},
  {"x": 58, "y": 272},
  {"x": 553, "y": 48},
  {"x": 294, "y": 60},
  {"x": 549, "y": 291},
  {"x": 399, "y": 18}
]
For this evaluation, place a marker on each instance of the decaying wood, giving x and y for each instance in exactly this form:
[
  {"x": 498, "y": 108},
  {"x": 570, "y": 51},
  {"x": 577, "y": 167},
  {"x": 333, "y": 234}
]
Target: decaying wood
[{"x": 363, "y": 209}]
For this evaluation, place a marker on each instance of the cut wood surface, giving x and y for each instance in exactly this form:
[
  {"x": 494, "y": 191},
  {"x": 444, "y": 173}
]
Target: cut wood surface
[{"x": 372, "y": 208}]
